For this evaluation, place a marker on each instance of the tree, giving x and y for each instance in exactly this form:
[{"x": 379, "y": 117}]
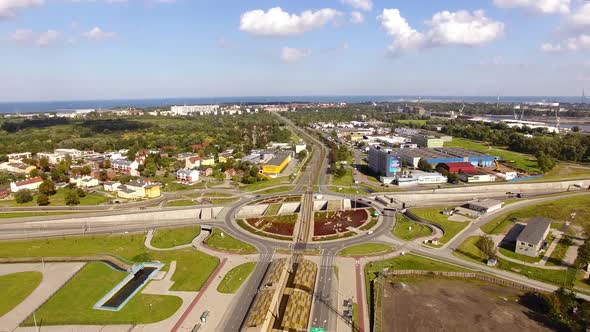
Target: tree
[
  {"x": 302, "y": 154},
  {"x": 3, "y": 158},
  {"x": 23, "y": 196},
  {"x": 44, "y": 164},
  {"x": 423, "y": 165},
  {"x": 80, "y": 192},
  {"x": 487, "y": 246},
  {"x": 254, "y": 171},
  {"x": 47, "y": 187},
  {"x": 149, "y": 169},
  {"x": 85, "y": 170},
  {"x": 72, "y": 197},
  {"x": 545, "y": 162},
  {"x": 452, "y": 178},
  {"x": 103, "y": 175},
  {"x": 42, "y": 200},
  {"x": 34, "y": 173},
  {"x": 106, "y": 164}
]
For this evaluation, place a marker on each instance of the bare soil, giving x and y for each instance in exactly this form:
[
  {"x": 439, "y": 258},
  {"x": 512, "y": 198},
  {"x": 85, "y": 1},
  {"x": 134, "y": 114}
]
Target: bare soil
[{"x": 439, "y": 304}]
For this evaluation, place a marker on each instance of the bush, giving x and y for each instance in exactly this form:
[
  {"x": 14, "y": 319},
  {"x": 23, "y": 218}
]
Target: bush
[
  {"x": 42, "y": 200},
  {"x": 23, "y": 196},
  {"x": 72, "y": 198}
]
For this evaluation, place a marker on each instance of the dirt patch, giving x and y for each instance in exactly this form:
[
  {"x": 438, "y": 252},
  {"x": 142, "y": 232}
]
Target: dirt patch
[
  {"x": 438, "y": 304},
  {"x": 329, "y": 223}
]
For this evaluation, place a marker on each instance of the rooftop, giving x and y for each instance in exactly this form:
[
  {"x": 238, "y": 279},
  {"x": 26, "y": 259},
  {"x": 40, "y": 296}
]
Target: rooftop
[
  {"x": 534, "y": 231},
  {"x": 278, "y": 159},
  {"x": 485, "y": 203}
]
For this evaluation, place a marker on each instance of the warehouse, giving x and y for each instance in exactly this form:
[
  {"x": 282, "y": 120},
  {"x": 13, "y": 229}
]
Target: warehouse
[
  {"x": 473, "y": 157},
  {"x": 277, "y": 164},
  {"x": 457, "y": 167},
  {"x": 433, "y": 157}
]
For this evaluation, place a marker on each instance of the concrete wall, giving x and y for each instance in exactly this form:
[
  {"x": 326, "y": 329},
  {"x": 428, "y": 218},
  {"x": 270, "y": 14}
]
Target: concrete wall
[
  {"x": 320, "y": 205},
  {"x": 289, "y": 208},
  {"x": 143, "y": 216},
  {"x": 346, "y": 205},
  {"x": 206, "y": 214},
  {"x": 252, "y": 210}
]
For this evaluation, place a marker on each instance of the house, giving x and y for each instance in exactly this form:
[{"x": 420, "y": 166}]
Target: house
[
  {"x": 207, "y": 172},
  {"x": 17, "y": 167},
  {"x": 531, "y": 240},
  {"x": 485, "y": 205},
  {"x": 192, "y": 162},
  {"x": 187, "y": 176},
  {"x": 140, "y": 188},
  {"x": 230, "y": 173},
  {"x": 53, "y": 158},
  {"x": 111, "y": 186},
  {"x": 277, "y": 164},
  {"x": 31, "y": 184},
  {"x": 19, "y": 156},
  {"x": 84, "y": 181},
  {"x": 208, "y": 161},
  {"x": 198, "y": 147},
  {"x": 125, "y": 166}
]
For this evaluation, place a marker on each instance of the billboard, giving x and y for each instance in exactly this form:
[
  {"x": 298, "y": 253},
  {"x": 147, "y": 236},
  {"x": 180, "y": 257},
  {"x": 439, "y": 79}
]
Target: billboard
[{"x": 394, "y": 165}]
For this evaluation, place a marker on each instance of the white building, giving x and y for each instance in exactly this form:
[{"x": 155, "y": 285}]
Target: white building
[
  {"x": 31, "y": 184},
  {"x": 111, "y": 186},
  {"x": 53, "y": 158},
  {"x": 476, "y": 177},
  {"x": 84, "y": 181},
  {"x": 486, "y": 205},
  {"x": 19, "y": 156},
  {"x": 187, "y": 176},
  {"x": 419, "y": 177},
  {"x": 300, "y": 147},
  {"x": 194, "y": 109}
]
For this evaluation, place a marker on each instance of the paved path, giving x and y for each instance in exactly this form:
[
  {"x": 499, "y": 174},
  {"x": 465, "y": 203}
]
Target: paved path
[
  {"x": 55, "y": 275},
  {"x": 551, "y": 248},
  {"x": 360, "y": 292}
]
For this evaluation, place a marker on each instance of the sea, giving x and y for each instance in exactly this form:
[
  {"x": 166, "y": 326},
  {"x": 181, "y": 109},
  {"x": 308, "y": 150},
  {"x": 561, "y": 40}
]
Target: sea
[{"x": 72, "y": 105}]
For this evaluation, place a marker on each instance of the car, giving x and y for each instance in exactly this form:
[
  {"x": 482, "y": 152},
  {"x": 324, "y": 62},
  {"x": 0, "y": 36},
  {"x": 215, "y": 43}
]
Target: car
[{"x": 370, "y": 232}]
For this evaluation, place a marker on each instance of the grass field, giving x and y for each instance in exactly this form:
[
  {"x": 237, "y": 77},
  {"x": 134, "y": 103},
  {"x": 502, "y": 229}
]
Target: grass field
[
  {"x": 180, "y": 202},
  {"x": 559, "y": 252},
  {"x": 73, "y": 303},
  {"x": 558, "y": 210},
  {"x": 511, "y": 254},
  {"x": 468, "y": 250},
  {"x": 234, "y": 278},
  {"x": 520, "y": 160},
  {"x": 276, "y": 190},
  {"x": 192, "y": 269},
  {"x": 7, "y": 215},
  {"x": 567, "y": 171},
  {"x": 173, "y": 237},
  {"x": 402, "y": 231},
  {"x": 223, "y": 201},
  {"x": 434, "y": 214},
  {"x": 273, "y": 209},
  {"x": 346, "y": 190},
  {"x": 366, "y": 249},
  {"x": 228, "y": 243},
  {"x": 59, "y": 199},
  {"x": 16, "y": 287},
  {"x": 344, "y": 181},
  {"x": 268, "y": 183}
]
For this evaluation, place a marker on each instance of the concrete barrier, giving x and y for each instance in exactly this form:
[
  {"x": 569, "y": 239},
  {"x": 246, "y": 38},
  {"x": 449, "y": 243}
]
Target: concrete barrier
[
  {"x": 252, "y": 210},
  {"x": 289, "y": 208},
  {"x": 320, "y": 205}
]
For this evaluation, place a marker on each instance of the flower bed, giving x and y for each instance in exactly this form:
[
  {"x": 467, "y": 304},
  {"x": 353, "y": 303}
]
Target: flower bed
[
  {"x": 280, "y": 225},
  {"x": 329, "y": 223}
]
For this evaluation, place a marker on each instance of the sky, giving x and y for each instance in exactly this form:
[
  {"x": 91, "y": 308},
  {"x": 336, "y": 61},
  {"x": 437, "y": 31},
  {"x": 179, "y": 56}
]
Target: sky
[{"x": 124, "y": 49}]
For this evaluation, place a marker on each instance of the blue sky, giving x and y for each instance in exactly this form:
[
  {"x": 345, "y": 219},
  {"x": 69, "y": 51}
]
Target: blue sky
[{"x": 109, "y": 49}]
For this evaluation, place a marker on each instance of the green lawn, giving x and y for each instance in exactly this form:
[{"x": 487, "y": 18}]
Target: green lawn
[
  {"x": 468, "y": 250},
  {"x": 73, "y": 303},
  {"x": 268, "y": 183},
  {"x": 558, "y": 210},
  {"x": 173, "y": 237},
  {"x": 7, "y": 215},
  {"x": 192, "y": 269},
  {"x": 276, "y": 190},
  {"x": 223, "y": 201},
  {"x": 418, "y": 122},
  {"x": 273, "y": 209},
  {"x": 344, "y": 181},
  {"x": 434, "y": 214},
  {"x": 366, "y": 249},
  {"x": 235, "y": 277},
  {"x": 346, "y": 190},
  {"x": 520, "y": 160},
  {"x": 59, "y": 199},
  {"x": 559, "y": 252},
  {"x": 511, "y": 254},
  {"x": 16, "y": 287},
  {"x": 180, "y": 202},
  {"x": 567, "y": 171},
  {"x": 402, "y": 231},
  {"x": 228, "y": 243}
]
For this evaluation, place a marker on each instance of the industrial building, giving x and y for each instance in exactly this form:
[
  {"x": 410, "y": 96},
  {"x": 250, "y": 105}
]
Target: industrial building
[
  {"x": 531, "y": 240},
  {"x": 384, "y": 162},
  {"x": 418, "y": 177},
  {"x": 486, "y": 205},
  {"x": 446, "y": 155},
  {"x": 476, "y": 177},
  {"x": 277, "y": 164},
  {"x": 428, "y": 141}
]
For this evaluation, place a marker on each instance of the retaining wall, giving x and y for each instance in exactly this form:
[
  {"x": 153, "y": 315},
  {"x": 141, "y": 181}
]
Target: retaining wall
[
  {"x": 99, "y": 258},
  {"x": 289, "y": 208},
  {"x": 252, "y": 210},
  {"x": 320, "y": 205}
]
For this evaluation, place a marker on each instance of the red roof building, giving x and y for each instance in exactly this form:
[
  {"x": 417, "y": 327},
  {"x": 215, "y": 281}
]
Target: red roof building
[{"x": 464, "y": 167}]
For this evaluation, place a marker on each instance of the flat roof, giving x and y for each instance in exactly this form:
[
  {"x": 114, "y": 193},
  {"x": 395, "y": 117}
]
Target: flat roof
[
  {"x": 485, "y": 203},
  {"x": 463, "y": 153},
  {"x": 534, "y": 230},
  {"x": 278, "y": 159}
]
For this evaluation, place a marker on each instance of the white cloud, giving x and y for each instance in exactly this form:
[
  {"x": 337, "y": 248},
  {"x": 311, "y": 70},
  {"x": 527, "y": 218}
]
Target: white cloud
[
  {"x": 446, "y": 28},
  {"x": 276, "y": 22},
  {"x": 572, "y": 44},
  {"x": 8, "y": 8},
  {"x": 357, "y": 17},
  {"x": 366, "y": 5},
  {"x": 581, "y": 17},
  {"x": 28, "y": 36},
  {"x": 97, "y": 33},
  {"x": 537, "y": 6},
  {"x": 289, "y": 54},
  {"x": 48, "y": 37}
]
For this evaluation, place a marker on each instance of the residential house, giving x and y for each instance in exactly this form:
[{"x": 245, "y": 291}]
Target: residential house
[
  {"x": 31, "y": 184},
  {"x": 187, "y": 176},
  {"x": 141, "y": 188},
  {"x": 198, "y": 147},
  {"x": 4, "y": 193},
  {"x": 207, "y": 172},
  {"x": 124, "y": 166},
  {"x": 84, "y": 181},
  {"x": 111, "y": 186},
  {"x": 531, "y": 240},
  {"x": 230, "y": 173},
  {"x": 208, "y": 161}
]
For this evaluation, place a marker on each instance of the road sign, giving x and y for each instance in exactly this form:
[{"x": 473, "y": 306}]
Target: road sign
[{"x": 317, "y": 329}]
